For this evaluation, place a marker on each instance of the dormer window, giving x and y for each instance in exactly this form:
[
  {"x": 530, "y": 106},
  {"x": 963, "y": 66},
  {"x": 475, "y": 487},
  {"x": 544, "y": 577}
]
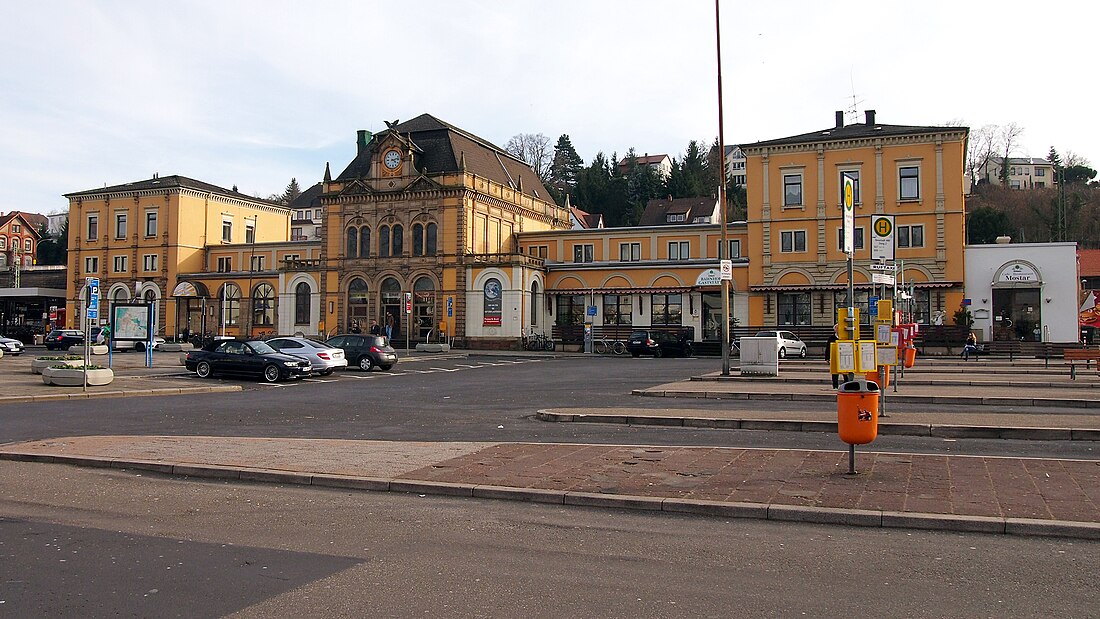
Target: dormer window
[{"x": 675, "y": 217}]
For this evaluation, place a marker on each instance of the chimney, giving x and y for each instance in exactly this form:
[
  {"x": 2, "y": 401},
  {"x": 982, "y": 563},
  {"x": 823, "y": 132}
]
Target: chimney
[
  {"x": 869, "y": 115},
  {"x": 362, "y": 140},
  {"x": 839, "y": 119}
]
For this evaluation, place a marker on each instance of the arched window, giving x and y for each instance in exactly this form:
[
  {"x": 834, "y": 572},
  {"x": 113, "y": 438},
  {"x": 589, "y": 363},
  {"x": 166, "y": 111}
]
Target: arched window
[
  {"x": 357, "y": 302},
  {"x": 302, "y": 295},
  {"x": 353, "y": 237},
  {"x": 151, "y": 296},
  {"x": 263, "y": 305},
  {"x": 429, "y": 242},
  {"x": 424, "y": 306},
  {"x": 384, "y": 242},
  {"x": 230, "y": 296},
  {"x": 364, "y": 242},
  {"x": 534, "y": 304},
  {"x": 418, "y": 240},
  {"x": 398, "y": 240}
]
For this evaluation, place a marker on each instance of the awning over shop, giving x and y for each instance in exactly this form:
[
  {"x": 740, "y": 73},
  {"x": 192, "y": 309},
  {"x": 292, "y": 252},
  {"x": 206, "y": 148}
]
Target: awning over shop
[
  {"x": 858, "y": 286},
  {"x": 654, "y": 290},
  {"x": 190, "y": 289}
]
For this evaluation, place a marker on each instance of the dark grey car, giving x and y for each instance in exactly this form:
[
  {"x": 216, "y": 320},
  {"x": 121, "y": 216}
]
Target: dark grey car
[{"x": 366, "y": 351}]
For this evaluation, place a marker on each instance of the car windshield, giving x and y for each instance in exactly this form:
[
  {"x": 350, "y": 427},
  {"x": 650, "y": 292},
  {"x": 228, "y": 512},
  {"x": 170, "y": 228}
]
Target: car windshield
[
  {"x": 639, "y": 335},
  {"x": 261, "y": 348},
  {"x": 766, "y": 334}
]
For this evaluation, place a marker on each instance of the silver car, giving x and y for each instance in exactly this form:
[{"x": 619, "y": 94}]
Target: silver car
[
  {"x": 10, "y": 346},
  {"x": 787, "y": 344},
  {"x": 325, "y": 359}
]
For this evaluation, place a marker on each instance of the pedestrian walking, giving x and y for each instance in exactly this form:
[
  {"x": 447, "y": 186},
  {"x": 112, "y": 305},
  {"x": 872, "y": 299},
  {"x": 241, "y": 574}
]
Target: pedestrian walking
[
  {"x": 829, "y": 352},
  {"x": 389, "y": 325},
  {"x": 374, "y": 328}
]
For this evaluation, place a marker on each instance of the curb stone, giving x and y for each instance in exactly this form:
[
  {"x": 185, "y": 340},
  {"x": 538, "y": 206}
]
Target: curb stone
[{"x": 759, "y": 511}]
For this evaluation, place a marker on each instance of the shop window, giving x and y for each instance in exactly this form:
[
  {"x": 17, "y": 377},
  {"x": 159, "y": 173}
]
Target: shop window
[
  {"x": 666, "y": 309},
  {"x": 263, "y": 305},
  {"x": 617, "y": 309},
  {"x": 570, "y": 309},
  {"x": 231, "y": 304},
  {"x": 794, "y": 308}
]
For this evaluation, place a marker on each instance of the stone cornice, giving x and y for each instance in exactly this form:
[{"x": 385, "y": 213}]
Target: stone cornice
[{"x": 860, "y": 142}]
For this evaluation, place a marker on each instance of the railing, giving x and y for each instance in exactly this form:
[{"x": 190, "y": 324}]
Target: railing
[
  {"x": 300, "y": 265},
  {"x": 506, "y": 259}
]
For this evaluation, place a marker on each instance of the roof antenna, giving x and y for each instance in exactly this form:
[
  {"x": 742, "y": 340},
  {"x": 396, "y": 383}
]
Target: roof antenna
[{"x": 852, "y": 112}]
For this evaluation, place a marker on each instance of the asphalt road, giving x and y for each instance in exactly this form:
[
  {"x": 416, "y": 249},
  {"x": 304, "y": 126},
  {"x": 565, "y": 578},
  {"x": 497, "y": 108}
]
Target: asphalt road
[
  {"x": 465, "y": 399},
  {"x": 98, "y": 542}
]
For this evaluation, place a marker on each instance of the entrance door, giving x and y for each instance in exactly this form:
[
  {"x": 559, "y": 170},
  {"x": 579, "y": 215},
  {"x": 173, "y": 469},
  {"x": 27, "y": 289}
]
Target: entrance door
[
  {"x": 712, "y": 316},
  {"x": 1017, "y": 314},
  {"x": 391, "y": 302}
]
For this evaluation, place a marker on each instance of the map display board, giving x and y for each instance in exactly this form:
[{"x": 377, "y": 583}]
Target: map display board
[{"x": 130, "y": 323}]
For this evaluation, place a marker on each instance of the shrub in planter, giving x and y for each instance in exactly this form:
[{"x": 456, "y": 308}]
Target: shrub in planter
[
  {"x": 39, "y": 363},
  {"x": 68, "y": 376}
]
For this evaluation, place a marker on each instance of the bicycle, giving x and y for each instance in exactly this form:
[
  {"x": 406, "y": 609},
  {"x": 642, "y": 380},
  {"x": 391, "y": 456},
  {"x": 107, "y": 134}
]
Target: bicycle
[
  {"x": 605, "y": 346},
  {"x": 537, "y": 341}
]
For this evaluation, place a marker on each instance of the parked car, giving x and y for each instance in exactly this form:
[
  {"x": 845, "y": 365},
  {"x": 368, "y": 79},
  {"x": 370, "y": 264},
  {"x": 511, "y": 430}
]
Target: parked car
[
  {"x": 127, "y": 345},
  {"x": 366, "y": 351},
  {"x": 659, "y": 344},
  {"x": 246, "y": 358},
  {"x": 62, "y": 339},
  {"x": 325, "y": 359},
  {"x": 786, "y": 343},
  {"x": 11, "y": 346}
]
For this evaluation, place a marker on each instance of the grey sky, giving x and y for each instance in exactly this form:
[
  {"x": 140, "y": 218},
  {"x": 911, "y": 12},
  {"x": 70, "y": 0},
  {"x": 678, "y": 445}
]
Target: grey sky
[{"x": 254, "y": 93}]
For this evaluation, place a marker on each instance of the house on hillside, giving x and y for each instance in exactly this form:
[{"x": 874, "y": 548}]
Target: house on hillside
[
  {"x": 1023, "y": 172},
  {"x": 662, "y": 164},
  {"x": 677, "y": 211}
]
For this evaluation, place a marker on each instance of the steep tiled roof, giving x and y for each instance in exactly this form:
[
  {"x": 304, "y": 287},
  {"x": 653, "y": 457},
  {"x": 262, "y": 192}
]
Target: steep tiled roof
[
  {"x": 587, "y": 220},
  {"x": 309, "y": 198},
  {"x": 645, "y": 159},
  {"x": 162, "y": 182},
  {"x": 31, "y": 226},
  {"x": 441, "y": 148},
  {"x": 657, "y": 211},
  {"x": 1089, "y": 261}
]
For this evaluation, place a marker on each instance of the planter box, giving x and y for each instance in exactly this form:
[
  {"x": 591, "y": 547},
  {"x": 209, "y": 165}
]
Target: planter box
[
  {"x": 95, "y": 349},
  {"x": 40, "y": 364},
  {"x": 175, "y": 347},
  {"x": 74, "y": 377}
]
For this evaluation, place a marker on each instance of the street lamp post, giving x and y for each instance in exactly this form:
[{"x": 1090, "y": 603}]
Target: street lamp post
[{"x": 724, "y": 250}]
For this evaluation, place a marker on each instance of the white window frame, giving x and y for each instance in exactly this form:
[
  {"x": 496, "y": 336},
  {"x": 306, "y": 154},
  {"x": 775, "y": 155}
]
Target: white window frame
[
  {"x": 149, "y": 263},
  {"x": 227, "y": 230},
  {"x": 3, "y": 243},
  {"x": 225, "y": 264},
  {"x": 120, "y": 225},
  {"x": 902, "y": 197},
  {"x": 859, "y": 182},
  {"x": 16, "y": 228},
  {"x": 119, "y": 264},
  {"x": 794, "y": 236},
  {"x": 857, "y": 243},
  {"x": 675, "y": 217},
  {"x": 801, "y": 190},
  {"x": 91, "y": 264},
  {"x": 151, "y": 217},
  {"x": 584, "y": 251},
  {"x": 28, "y": 246},
  {"x": 679, "y": 250},
  {"x": 630, "y": 252},
  {"x": 256, "y": 263},
  {"x": 91, "y": 228},
  {"x": 908, "y": 236}
]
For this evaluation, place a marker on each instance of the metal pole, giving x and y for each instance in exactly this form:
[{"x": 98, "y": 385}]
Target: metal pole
[
  {"x": 723, "y": 251},
  {"x": 851, "y": 459}
]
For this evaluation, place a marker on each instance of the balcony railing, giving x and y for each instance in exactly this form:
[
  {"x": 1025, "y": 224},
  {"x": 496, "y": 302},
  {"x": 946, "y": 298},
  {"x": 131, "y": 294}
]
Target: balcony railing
[
  {"x": 509, "y": 259},
  {"x": 300, "y": 265}
]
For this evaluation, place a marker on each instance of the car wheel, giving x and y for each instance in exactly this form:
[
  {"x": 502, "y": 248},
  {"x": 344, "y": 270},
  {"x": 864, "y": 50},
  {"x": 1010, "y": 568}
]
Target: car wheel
[
  {"x": 326, "y": 372},
  {"x": 203, "y": 369},
  {"x": 802, "y": 353},
  {"x": 140, "y": 346},
  {"x": 657, "y": 354},
  {"x": 782, "y": 353},
  {"x": 271, "y": 373},
  {"x": 366, "y": 363}
]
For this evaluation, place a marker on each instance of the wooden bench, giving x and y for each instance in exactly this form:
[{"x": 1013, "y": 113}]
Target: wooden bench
[
  {"x": 1088, "y": 355},
  {"x": 1003, "y": 347}
]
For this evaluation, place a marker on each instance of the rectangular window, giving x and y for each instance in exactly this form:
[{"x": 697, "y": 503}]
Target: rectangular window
[
  {"x": 227, "y": 231},
  {"x": 120, "y": 264},
  {"x": 257, "y": 263},
  {"x": 1040, "y": 171},
  {"x": 794, "y": 308},
  {"x": 150, "y": 223},
  {"x": 860, "y": 300},
  {"x": 250, "y": 233},
  {"x": 678, "y": 250},
  {"x": 570, "y": 309},
  {"x": 792, "y": 190},
  {"x": 93, "y": 228},
  {"x": 734, "y": 249},
  {"x": 3, "y": 243},
  {"x": 909, "y": 183},
  {"x": 792, "y": 241},
  {"x": 582, "y": 253},
  {"x": 225, "y": 264},
  {"x": 911, "y": 236},
  {"x": 676, "y": 217},
  {"x": 149, "y": 263},
  {"x": 855, "y": 178},
  {"x": 91, "y": 265},
  {"x": 1040, "y": 184},
  {"x": 630, "y": 252},
  {"x": 857, "y": 242},
  {"x": 616, "y": 309},
  {"x": 120, "y": 226},
  {"x": 16, "y": 228},
  {"x": 666, "y": 309},
  {"x": 27, "y": 246}
]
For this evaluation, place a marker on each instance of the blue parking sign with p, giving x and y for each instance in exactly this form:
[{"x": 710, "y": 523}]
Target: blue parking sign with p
[{"x": 93, "y": 298}]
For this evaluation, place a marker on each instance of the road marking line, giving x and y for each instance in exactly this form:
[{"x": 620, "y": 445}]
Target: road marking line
[
  {"x": 463, "y": 365},
  {"x": 445, "y": 370}
]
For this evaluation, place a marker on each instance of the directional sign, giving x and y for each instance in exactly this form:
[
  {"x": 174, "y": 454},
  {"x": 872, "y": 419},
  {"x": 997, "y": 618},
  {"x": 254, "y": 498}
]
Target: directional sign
[
  {"x": 849, "y": 214},
  {"x": 882, "y": 278},
  {"x": 93, "y": 297},
  {"x": 882, "y": 237}
]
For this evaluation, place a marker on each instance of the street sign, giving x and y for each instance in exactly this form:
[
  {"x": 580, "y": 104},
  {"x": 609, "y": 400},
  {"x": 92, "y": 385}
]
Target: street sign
[
  {"x": 849, "y": 214},
  {"x": 872, "y": 306},
  {"x": 93, "y": 297},
  {"x": 591, "y": 310},
  {"x": 882, "y": 278},
  {"x": 885, "y": 267},
  {"x": 408, "y": 302},
  {"x": 882, "y": 237},
  {"x": 727, "y": 270},
  {"x": 450, "y": 307}
]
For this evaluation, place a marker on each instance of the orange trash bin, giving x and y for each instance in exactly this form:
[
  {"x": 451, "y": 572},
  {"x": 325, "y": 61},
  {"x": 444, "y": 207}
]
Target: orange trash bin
[
  {"x": 874, "y": 377},
  {"x": 857, "y": 411},
  {"x": 910, "y": 357}
]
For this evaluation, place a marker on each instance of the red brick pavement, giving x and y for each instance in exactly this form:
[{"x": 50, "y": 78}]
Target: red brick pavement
[{"x": 960, "y": 485}]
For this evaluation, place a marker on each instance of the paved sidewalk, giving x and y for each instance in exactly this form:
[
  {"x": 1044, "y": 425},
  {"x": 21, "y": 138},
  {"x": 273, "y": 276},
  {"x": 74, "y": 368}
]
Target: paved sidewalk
[{"x": 1021, "y": 496}]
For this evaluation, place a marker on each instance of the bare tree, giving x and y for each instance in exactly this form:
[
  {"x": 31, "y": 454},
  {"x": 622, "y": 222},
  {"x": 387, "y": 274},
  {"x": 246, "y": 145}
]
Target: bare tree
[
  {"x": 1071, "y": 159},
  {"x": 533, "y": 148},
  {"x": 1007, "y": 138},
  {"x": 981, "y": 148}
]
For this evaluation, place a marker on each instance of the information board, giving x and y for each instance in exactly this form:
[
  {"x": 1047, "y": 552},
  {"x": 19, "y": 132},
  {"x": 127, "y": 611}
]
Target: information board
[
  {"x": 887, "y": 355},
  {"x": 845, "y": 356},
  {"x": 867, "y": 359},
  {"x": 883, "y": 332}
]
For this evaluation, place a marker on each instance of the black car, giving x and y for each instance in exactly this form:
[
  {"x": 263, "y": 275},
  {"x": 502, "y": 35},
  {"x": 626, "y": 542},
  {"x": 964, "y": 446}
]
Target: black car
[
  {"x": 251, "y": 358},
  {"x": 366, "y": 351},
  {"x": 62, "y": 339},
  {"x": 659, "y": 344}
]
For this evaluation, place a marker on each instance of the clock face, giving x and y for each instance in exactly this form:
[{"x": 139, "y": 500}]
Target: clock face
[
  {"x": 492, "y": 289},
  {"x": 392, "y": 159}
]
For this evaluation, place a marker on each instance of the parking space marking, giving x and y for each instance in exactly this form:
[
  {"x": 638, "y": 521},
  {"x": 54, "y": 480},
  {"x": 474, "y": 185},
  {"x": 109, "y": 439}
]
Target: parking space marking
[
  {"x": 472, "y": 367},
  {"x": 446, "y": 369}
]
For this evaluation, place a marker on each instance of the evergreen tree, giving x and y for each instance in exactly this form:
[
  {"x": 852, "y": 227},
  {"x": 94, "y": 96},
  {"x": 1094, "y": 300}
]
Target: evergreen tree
[
  {"x": 642, "y": 185},
  {"x": 565, "y": 166},
  {"x": 690, "y": 177},
  {"x": 292, "y": 192},
  {"x": 1054, "y": 158},
  {"x": 53, "y": 250},
  {"x": 985, "y": 224}
]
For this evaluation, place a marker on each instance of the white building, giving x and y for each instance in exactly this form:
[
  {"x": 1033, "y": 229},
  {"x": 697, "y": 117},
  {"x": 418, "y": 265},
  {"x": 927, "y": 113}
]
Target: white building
[
  {"x": 1023, "y": 291},
  {"x": 1023, "y": 172}
]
